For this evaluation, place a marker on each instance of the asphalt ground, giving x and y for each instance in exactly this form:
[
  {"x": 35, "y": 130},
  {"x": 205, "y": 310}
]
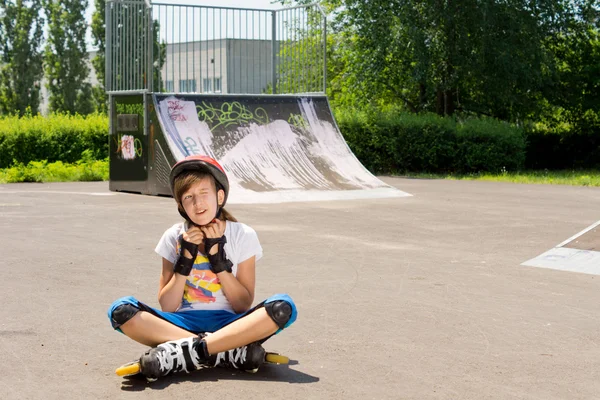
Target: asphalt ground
[
  {"x": 590, "y": 240},
  {"x": 408, "y": 298}
]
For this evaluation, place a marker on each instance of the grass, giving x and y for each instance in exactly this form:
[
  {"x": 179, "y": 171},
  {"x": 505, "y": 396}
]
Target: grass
[
  {"x": 575, "y": 178},
  {"x": 42, "y": 171},
  {"x": 97, "y": 170}
]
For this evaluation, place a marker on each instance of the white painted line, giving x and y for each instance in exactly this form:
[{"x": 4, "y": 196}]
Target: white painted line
[
  {"x": 567, "y": 259},
  {"x": 586, "y": 230}
]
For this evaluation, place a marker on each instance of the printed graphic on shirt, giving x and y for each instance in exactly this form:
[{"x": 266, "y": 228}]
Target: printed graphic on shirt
[{"x": 202, "y": 284}]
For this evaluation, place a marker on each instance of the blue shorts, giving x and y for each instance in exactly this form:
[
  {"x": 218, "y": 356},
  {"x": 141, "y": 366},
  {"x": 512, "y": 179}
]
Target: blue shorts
[{"x": 197, "y": 321}]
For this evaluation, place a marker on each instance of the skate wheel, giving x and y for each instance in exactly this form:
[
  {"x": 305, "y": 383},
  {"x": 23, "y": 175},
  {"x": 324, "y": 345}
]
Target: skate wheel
[
  {"x": 274, "y": 358},
  {"x": 129, "y": 369}
]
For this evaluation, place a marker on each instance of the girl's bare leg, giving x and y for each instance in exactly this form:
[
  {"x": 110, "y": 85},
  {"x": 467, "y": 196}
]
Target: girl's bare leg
[
  {"x": 250, "y": 328},
  {"x": 150, "y": 330}
]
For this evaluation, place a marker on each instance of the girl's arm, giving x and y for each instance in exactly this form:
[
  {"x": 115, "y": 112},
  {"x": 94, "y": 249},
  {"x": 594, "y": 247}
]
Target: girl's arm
[
  {"x": 170, "y": 287},
  {"x": 239, "y": 289},
  {"x": 171, "y": 284}
]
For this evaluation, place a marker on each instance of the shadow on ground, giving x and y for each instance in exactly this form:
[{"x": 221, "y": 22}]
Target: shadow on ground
[{"x": 266, "y": 373}]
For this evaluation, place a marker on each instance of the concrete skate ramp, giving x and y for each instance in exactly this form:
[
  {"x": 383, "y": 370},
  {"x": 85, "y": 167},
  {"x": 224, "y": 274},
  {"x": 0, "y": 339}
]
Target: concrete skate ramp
[
  {"x": 580, "y": 253},
  {"x": 274, "y": 148}
]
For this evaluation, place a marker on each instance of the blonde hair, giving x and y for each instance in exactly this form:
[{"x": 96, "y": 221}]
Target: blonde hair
[{"x": 185, "y": 180}]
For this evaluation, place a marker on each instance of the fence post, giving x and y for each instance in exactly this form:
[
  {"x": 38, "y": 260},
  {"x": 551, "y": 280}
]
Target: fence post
[
  {"x": 324, "y": 54},
  {"x": 108, "y": 47},
  {"x": 150, "y": 48},
  {"x": 273, "y": 50}
]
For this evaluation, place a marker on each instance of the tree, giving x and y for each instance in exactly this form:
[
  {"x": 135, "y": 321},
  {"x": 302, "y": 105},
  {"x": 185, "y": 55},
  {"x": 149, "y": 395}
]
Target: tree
[
  {"x": 575, "y": 83},
  {"x": 481, "y": 56},
  {"x": 21, "y": 29},
  {"x": 300, "y": 52},
  {"x": 485, "y": 57},
  {"x": 571, "y": 96},
  {"x": 66, "y": 57},
  {"x": 98, "y": 62}
]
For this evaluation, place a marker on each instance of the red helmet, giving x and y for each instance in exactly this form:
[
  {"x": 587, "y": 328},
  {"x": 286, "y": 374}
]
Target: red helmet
[{"x": 204, "y": 164}]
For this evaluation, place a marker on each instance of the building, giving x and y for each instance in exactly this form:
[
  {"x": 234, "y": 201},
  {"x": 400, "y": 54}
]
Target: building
[
  {"x": 208, "y": 66},
  {"x": 218, "y": 66}
]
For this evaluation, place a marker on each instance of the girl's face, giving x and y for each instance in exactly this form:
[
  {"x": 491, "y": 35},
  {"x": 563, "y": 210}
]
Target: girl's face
[{"x": 200, "y": 201}]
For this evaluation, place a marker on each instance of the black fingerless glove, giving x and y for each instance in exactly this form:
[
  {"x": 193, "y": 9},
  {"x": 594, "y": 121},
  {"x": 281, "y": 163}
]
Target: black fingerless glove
[
  {"x": 184, "y": 265},
  {"x": 218, "y": 261}
]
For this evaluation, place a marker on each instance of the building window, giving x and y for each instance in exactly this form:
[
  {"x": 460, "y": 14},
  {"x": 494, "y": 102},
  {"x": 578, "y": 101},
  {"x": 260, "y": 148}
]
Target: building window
[
  {"x": 187, "y": 85},
  {"x": 169, "y": 87},
  {"x": 206, "y": 85},
  {"x": 217, "y": 85}
]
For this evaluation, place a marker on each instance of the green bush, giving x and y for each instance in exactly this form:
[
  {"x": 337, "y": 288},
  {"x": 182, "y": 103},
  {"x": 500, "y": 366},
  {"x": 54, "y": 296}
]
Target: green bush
[
  {"x": 565, "y": 145},
  {"x": 42, "y": 171},
  {"x": 393, "y": 142},
  {"x": 59, "y": 137},
  {"x": 489, "y": 145}
]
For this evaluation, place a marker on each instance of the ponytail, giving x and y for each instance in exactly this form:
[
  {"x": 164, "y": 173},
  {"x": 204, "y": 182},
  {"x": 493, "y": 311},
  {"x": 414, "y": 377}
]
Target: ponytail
[{"x": 226, "y": 216}]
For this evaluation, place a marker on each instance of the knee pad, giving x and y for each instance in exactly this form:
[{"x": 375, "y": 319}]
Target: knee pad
[
  {"x": 123, "y": 313},
  {"x": 280, "y": 312}
]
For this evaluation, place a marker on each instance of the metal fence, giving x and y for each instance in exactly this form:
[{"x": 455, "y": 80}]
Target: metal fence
[{"x": 202, "y": 49}]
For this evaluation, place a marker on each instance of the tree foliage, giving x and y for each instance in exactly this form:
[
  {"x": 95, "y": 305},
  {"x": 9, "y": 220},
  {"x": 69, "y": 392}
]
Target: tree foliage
[
  {"x": 482, "y": 56},
  {"x": 575, "y": 84},
  {"x": 66, "y": 57},
  {"x": 514, "y": 60},
  {"x": 21, "y": 29}
]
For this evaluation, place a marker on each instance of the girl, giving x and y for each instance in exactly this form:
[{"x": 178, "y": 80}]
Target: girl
[{"x": 206, "y": 286}]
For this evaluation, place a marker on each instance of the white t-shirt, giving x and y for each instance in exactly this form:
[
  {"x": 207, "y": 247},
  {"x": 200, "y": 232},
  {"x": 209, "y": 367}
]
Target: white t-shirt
[{"x": 203, "y": 289}]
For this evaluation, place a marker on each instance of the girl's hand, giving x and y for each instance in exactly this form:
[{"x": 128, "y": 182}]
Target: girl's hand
[
  {"x": 214, "y": 230},
  {"x": 193, "y": 235}
]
